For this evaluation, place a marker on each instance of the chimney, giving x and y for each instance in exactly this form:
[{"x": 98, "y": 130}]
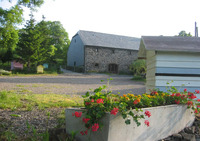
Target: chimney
[{"x": 196, "y": 30}]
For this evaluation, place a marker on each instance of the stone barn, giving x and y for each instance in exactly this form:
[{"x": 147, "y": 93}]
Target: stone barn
[
  {"x": 100, "y": 52},
  {"x": 174, "y": 60}
]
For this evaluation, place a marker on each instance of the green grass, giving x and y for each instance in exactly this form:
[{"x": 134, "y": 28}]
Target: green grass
[{"x": 11, "y": 100}]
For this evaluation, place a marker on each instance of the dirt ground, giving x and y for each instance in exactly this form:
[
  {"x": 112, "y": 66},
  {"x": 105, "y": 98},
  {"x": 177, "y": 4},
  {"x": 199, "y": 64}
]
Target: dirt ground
[{"x": 70, "y": 84}]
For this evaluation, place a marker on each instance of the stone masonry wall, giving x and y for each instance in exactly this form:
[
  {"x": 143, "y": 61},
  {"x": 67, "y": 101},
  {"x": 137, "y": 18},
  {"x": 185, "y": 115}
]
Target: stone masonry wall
[{"x": 97, "y": 59}]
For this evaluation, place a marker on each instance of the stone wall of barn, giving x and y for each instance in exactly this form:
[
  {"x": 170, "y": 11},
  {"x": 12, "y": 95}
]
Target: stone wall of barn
[{"x": 97, "y": 59}]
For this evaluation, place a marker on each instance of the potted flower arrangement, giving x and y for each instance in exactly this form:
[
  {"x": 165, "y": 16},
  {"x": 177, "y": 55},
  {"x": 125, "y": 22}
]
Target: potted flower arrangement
[{"x": 109, "y": 117}]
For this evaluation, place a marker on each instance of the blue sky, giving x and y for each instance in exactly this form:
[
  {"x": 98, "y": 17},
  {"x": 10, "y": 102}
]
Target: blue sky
[{"x": 134, "y": 18}]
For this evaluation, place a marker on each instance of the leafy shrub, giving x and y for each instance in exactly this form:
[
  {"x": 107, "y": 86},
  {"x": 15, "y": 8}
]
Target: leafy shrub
[
  {"x": 4, "y": 72},
  {"x": 138, "y": 67}
]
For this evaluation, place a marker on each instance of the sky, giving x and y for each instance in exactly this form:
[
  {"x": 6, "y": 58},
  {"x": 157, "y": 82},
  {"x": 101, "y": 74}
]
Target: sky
[{"x": 133, "y": 18}]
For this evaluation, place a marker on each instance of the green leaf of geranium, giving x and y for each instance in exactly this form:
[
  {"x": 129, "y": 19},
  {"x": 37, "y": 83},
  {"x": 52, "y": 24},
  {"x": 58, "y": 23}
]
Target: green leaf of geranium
[
  {"x": 128, "y": 121},
  {"x": 124, "y": 116},
  {"x": 131, "y": 113}
]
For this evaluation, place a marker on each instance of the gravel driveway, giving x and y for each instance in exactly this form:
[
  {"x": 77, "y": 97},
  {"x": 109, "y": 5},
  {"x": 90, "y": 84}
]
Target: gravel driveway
[{"x": 71, "y": 84}]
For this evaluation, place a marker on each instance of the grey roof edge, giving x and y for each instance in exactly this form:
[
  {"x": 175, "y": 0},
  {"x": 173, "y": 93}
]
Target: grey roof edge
[
  {"x": 107, "y": 33},
  {"x": 175, "y": 48},
  {"x": 106, "y": 43}
]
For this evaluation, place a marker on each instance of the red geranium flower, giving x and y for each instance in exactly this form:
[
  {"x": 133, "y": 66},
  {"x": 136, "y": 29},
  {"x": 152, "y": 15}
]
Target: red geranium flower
[
  {"x": 185, "y": 90},
  {"x": 77, "y": 114},
  {"x": 183, "y": 96},
  {"x": 191, "y": 95},
  {"x": 99, "y": 101},
  {"x": 86, "y": 120},
  {"x": 92, "y": 100},
  {"x": 196, "y": 111},
  {"x": 95, "y": 127},
  {"x": 87, "y": 103},
  {"x": 178, "y": 94},
  {"x": 198, "y": 100},
  {"x": 189, "y": 103},
  {"x": 147, "y": 123},
  {"x": 197, "y": 91},
  {"x": 177, "y": 101},
  {"x": 147, "y": 113},
  {"x": 136, "y": 101},
  {"x": 114, "y": 111},
  {"x": 84, "y": 132}
]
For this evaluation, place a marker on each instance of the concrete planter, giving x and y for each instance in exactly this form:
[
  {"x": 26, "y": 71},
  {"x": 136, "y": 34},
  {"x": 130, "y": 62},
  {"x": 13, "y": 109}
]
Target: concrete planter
[{"x": 164, "y": 121}]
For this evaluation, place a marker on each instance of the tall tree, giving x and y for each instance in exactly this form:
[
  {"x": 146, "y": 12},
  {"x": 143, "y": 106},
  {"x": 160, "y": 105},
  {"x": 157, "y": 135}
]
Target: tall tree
[
  {"x": 29, "y": 43},
  {"x": 8, "y": 32},
  {"x": 184, "y": 34},
  {"x": 60, "y": 40},
  {"x": 9, "y": 18},
  {"x": 47, "y": 49},
  {"x": 35, "y": 45}
]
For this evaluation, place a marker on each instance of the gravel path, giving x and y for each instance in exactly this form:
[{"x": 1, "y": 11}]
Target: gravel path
[{"x": 70, "y": 84}]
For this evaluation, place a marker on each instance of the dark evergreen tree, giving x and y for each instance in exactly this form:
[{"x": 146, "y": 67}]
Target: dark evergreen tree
[{"x": 29, "y": 43}]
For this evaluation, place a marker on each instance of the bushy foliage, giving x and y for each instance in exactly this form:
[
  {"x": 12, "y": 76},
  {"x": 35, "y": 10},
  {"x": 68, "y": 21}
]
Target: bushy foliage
[{"x": 138, "y": 67}]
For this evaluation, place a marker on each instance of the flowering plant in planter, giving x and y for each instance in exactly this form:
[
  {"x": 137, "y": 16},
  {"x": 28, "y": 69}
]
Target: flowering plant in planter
[{"x": 100, "y": 102}]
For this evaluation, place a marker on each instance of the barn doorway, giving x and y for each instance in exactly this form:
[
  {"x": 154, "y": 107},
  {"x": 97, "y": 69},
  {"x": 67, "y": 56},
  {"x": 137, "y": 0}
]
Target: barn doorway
[{"x": 113, "y": 68}]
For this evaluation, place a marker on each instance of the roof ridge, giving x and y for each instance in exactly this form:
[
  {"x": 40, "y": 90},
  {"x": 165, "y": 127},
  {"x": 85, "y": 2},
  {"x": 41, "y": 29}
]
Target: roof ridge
[{"x": 106, "y": 33}]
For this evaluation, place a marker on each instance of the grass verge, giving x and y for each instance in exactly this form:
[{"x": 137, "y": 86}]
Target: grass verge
[
  {"x": 11, "y": 100},
  {"x": 21, "y": 102}
]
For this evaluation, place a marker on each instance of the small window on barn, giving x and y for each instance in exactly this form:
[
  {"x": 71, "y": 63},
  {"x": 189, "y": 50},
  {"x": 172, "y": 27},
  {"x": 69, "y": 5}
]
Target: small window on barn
[
  {"x": 96, "y": 65},
  {"x": 113, "y": 51},
  {"x": 75, "y": 40}
]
